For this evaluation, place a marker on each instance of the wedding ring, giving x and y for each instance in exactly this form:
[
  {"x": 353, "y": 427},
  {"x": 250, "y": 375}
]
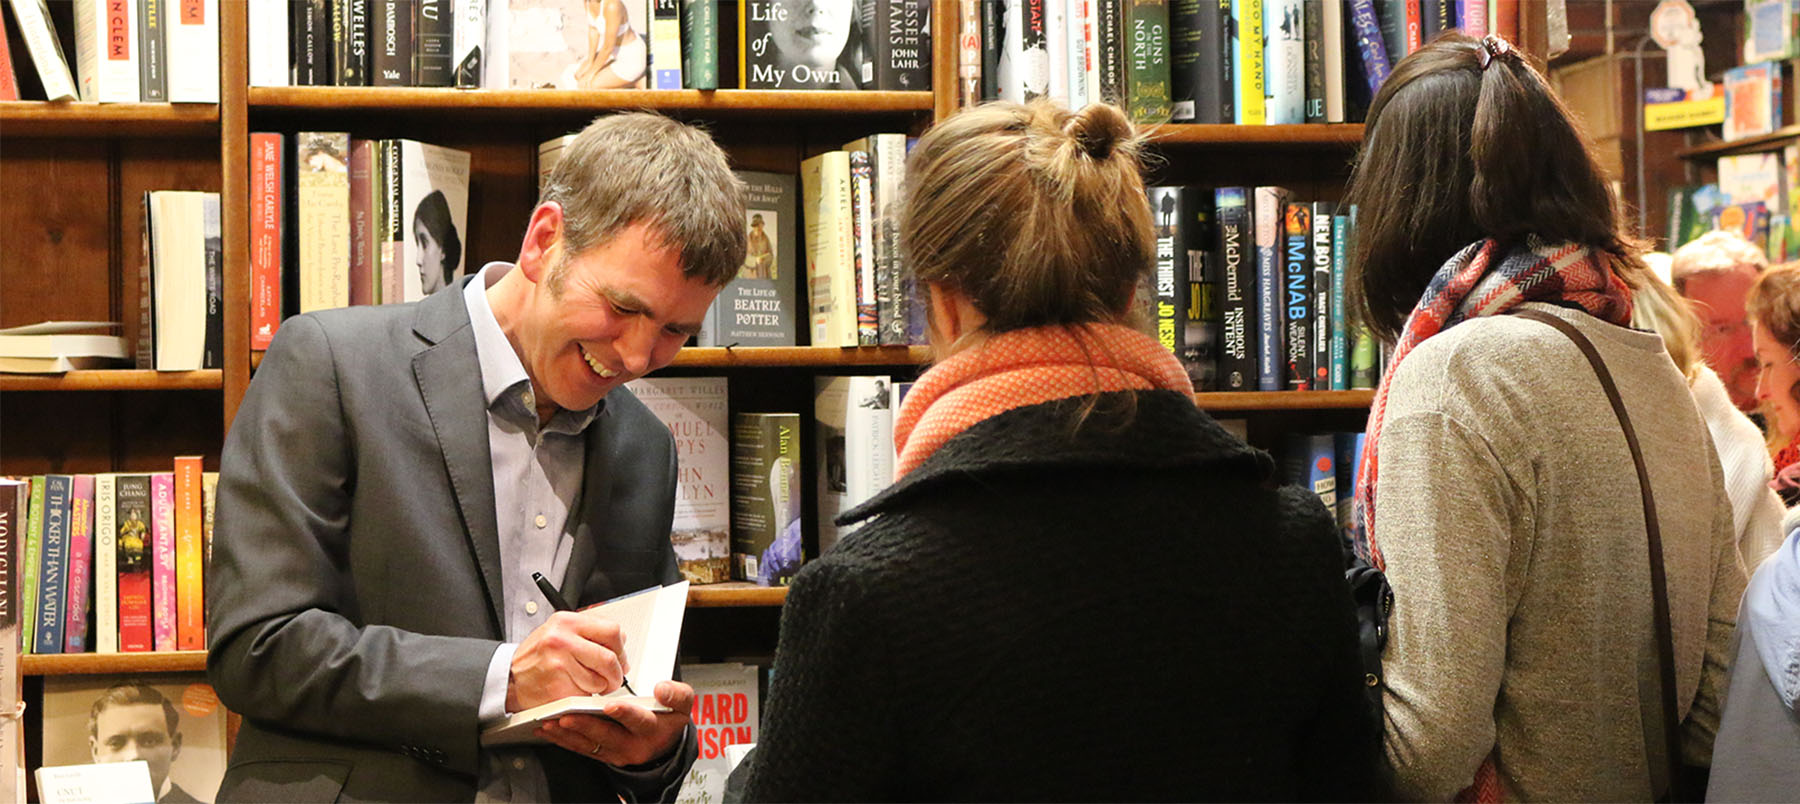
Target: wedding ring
[{"x": 596, "y": 751}]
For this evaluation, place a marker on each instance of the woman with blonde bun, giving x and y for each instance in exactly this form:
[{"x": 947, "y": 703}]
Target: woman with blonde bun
[{"x": 1079, "y": 587}]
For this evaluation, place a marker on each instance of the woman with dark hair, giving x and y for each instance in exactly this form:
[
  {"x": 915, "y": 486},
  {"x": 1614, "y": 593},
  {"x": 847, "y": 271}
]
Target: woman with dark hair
[
  {"x": 1079, "y": 587},
  {"x": 439, "y": 247},
  {"x": 1498, "y": 490}
]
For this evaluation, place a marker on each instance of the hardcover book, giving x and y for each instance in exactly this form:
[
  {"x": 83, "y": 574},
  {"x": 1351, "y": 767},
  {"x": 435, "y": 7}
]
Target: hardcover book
[
  {"x": 1147, "y": 73},
  {"x": 765, "y": 497},
  {"x": 106, "y": 564},
  {"x": 555, "y": 44},
  {"x": 830, "y": 248},
  {"x": 1296, "y": 296},
  {"x": 700, "y": 44},
  {"x": 726, "y": 713},
  {"x": 759, "y": 307},
  {"x": 391, "y": 48},
  {"x": 267, "y": 200},
  {"x": 1284, "y": 62},
  {"x": 434, "y": 44},
  {"x": 800, "y": 44},
  {"x": 109, "y": 719},
  {"x": 854, "y": 441},
  {"x": 1247, "y": 56},
  {"x": 1235, "y": 253},
  {"x": 1752, "y": 100},
  {"x": 697, "y": 412}
]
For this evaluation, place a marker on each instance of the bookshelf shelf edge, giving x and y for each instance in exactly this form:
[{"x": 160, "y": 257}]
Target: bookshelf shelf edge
[{"x": 71, "y": 664}]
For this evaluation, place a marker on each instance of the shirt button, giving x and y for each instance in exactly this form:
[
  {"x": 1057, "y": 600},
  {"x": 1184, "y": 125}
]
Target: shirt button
[
  {"x": 530, "y": 607},
  {"x": 518, "y": 764},
  {"x": 541, "y": 521}
]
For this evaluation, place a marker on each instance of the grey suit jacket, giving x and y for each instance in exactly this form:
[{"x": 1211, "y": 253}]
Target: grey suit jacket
[{"x": 354, "y": 591}]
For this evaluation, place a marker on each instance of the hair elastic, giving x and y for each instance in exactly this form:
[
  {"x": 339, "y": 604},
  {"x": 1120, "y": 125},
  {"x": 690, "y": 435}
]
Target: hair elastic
[{"x": 1492, "y": 47}]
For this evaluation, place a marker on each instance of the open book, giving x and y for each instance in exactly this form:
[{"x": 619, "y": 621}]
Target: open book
[{"x": 650, "y": 621}]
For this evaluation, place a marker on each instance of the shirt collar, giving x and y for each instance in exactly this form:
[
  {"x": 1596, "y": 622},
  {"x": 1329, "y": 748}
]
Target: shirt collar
[{"x": 502, "y": 373}]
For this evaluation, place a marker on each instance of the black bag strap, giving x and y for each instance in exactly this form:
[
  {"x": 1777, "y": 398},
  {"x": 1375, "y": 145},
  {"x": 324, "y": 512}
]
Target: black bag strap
[{"x": 1658, "y": 584}]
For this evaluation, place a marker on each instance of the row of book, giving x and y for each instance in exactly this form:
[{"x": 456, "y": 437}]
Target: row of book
[
  {"x": 574, "y": 44},
  {"x": 1756, "y": 195},
  {"x": 337, "y": 221},
  {"x": 1247, "y": 62},
  {"x": 1325, "y": 464},
  {"x": 739, "y": 509},
  {"x": 1248, "y": 290},
  {"x": 859, "y": 293},
  {"x": 115, "y": 562},
  {"x": 126, "y": 51}
]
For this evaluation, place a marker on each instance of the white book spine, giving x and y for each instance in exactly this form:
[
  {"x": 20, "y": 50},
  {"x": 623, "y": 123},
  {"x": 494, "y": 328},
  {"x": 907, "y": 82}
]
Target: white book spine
[
  {"x": 1090, "y": 36},
  {"x": 494, "y": 68},
  {"x": 1284, "y": 73},
  {"x": 1056, "y": 39},
  {"x": 193, "y": 37},
  {"x": 868, "y": 434},
  {"x": 268, "y": 43},
  {"x": 106, "y": 50},
  {"x": 106, "y": 572},
  {"x": 1075, "y": 25},
  {"x": 1012, "y": 73},
  {"x": 1331, "y": 20},
  {"x": 468, "y": 38},
  {"x": 33, "y": 17}
]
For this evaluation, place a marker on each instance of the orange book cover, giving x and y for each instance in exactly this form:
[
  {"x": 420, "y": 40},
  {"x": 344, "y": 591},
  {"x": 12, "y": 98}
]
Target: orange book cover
[{"x": 190, "y": 557}]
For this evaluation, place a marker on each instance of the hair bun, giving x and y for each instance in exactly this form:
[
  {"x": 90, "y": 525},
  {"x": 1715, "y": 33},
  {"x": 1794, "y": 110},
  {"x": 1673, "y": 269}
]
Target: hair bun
[{"x": 1099, "y": 128}]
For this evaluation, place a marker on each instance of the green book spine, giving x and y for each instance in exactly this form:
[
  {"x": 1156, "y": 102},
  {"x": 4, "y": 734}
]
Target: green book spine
[
  {"x": 1147, "y": 73},
  {"x": 700, "y": 44},
  {"x": 34, "y": 533}
]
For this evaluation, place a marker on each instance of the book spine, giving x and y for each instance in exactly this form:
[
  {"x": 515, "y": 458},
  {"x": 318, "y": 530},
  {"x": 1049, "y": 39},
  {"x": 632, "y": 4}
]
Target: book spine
[
  {"x": 868, "y": 284},
  {"x": 1322, "y": 295},
  {"x": 1032, "y": 67},
  {"x": 1439, "y": 16},
  {"x": 1415, "y": 26},
  {"x": 830, "y": 276},
  {"x": 1165, "y": 296},
  {"x": 46, "y": 50},
  {"x": 1271, "y": 202},
  {"x": 1393, "y": 27},
  {"x": 1195, "y": 234},
  {"x": 106, "y": 50},
  {"x": 1075, "y": 51},
  {"x": 1475, "y": 18},
  {"x": 266, "y": 220},
  {"x": 1340, "y": 323},
  {"x": 1147, "y": 88},
  {"x": 133, "y": 560},
  {"x": 434, "y": 41},
  {"x": 28, "y": 581},
  {"x": 393, "y": 209},
  {"x": 347, "y": 51},
  {"x": 145, "y": 348},
  {"x": 1314, "y": 29},
  {"x": 1247, "y": 60},
  {"x": 468, "y": 43},
  {"x": 1371, "y": 45},
  {"x": 1110, "y": 30},
  {"x": 1296, "y": 300},
  {"x": 390, "y": 27},
  {"x": 323, "y": 202},
  {"x": 1090, "y": 48},
  {"x": 209, "y": 499},
  {"x": 665, "y": 44},
  {"x": 903, "y": 61},
  {"x": 765, "y": 484},
  {"x": 1238, "y": 336},
  {"x": 81, "y": 563},
  {"x": 153, "y": 67},
  {"x": 190, "y": 612},
  {"x": 1210, "y": 72},
  {"x": 888, "y": 156},
  {"x": 162, "y": 560},
  {"x": 53, "y": 565},
  {"x": 9, "y": 83},
  {"x": 1185, "y": 84},
  {"x": 1056, "y": 45},
  {"x": 212, "y": 344},
  {"x": 992, "y": 45},
  {"x": 106, "y": 567},
  {"x": 1284, "y": 62},
  {"x": 193, "y": 48},
  {"x": 1331, "y": 16},
  {"x": 268, "y": 45},
  {"x": 700, "y": 44},
  {"x": 362, "y": 222}
]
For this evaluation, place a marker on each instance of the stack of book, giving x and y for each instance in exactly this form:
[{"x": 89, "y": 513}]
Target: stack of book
[{"x": 58, "y": 346}]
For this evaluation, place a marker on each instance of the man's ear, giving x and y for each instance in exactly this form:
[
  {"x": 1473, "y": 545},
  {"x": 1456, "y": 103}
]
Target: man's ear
[
  {"x": 94, "y": 748},
  {"x": 175, "y": 744},
  {"x": 543, "y": 241}
]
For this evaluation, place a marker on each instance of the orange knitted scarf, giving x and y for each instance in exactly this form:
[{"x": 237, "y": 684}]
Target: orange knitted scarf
[{"x": 1026, "y": 367}]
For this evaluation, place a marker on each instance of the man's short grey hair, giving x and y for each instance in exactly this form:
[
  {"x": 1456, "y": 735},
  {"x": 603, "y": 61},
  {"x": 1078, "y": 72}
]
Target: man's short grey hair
[
  {"x": 642, "y": 167},
  {"x": 1715, "y": 252}
]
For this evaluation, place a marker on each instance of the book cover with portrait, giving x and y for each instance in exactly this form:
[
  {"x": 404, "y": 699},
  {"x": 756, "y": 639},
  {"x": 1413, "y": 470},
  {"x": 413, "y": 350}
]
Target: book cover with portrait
[
  {"x": 801, "y": 44},
  {"x": 172, "y": 721},
  {"x": 758, "y": 306},
  {"x": 434, "y": 205},
  {"x": 697, "y": 411},
  {"x": 577, "y": 44}
]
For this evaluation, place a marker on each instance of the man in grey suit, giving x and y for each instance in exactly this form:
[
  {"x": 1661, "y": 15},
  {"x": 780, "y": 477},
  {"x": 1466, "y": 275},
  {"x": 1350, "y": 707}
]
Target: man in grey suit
[{"x": 397, "y": 473}]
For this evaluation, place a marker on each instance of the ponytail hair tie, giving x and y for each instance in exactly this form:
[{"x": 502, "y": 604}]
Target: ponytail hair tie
[{"x": 1492, "y": 47}]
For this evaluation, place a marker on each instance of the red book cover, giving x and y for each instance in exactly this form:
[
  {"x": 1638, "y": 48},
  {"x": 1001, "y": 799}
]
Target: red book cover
[
  {"x": 190, "y": 558},
  {"x": 1506, "y": 20},
  {"x": 265, "y": 237},
  {"x": 162, "y": 560},
  {"x": 1415, "y": 25},
  {"x": 9, "y": 84},
  {"x": 133, "y": 546}
]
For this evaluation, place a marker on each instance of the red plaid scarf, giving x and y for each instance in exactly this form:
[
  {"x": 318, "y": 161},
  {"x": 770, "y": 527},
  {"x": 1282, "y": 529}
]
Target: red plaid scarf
[{"x": 1480, "y": 281}]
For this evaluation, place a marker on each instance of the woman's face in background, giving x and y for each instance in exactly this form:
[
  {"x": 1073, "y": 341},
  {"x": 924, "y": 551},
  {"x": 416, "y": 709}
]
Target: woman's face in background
[
  {"x": 431, "y": 260},
  {"x": 1776, "y": 384},
  {"x": 813, "y": 31}
]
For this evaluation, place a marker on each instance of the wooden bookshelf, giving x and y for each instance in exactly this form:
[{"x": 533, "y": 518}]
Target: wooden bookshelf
[
  {"x": 511, "y": 102},
  {"x": 735, "y": 594},
  {"x": 1748, "y": 145},
  {"x": 115, "y": 380},
  {"x": 1246, "y": 401},
  {"x": 67, "y": 119},
  {"x": 1315, "y": 136},
  {"x": 72, "y": 664}
]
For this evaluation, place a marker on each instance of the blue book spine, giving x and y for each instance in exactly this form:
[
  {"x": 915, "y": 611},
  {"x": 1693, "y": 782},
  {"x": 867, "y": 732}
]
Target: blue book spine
[
  {"x": 1369, "y": 44},
  {"x": 53, "y": 564},
  {"x": 1340, "y": 325}
]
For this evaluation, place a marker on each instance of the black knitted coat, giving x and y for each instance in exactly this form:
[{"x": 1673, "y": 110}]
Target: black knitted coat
[{"x": 1110, "y": 613}]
